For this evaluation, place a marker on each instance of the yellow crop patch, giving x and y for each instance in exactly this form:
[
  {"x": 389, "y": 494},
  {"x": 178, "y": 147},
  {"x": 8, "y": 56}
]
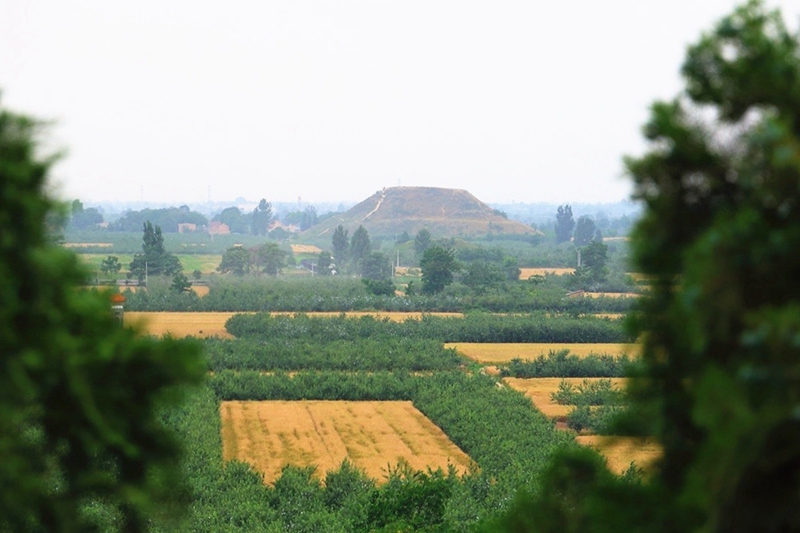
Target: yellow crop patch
[
  {"x": 374, "y": 436},
  {"x": 497, "y": 353}
]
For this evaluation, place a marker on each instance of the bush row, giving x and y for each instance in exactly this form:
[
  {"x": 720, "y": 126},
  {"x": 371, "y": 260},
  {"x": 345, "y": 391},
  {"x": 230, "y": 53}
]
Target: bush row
[{"x": 474, "y": 327}]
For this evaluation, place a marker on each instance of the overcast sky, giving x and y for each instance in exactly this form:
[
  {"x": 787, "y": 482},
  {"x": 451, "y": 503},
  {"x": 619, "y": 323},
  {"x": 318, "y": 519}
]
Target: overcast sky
[{"x": 515, "y": 101}]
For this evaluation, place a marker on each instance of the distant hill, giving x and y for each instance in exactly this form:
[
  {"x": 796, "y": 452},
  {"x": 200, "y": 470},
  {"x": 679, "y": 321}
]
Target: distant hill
[{"x": 444, "y": 212}]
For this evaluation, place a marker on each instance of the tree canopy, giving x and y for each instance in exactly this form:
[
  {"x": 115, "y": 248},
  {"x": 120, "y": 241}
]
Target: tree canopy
[
  {"x": 80, "y": 397},
  {"x": 438, "y": 265},
  {"x": 718, "y": 241}
]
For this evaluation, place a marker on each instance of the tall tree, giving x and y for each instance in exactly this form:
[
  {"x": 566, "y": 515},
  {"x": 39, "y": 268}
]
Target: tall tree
[
  {"x": 270, "y": 259},
  {"x": 154, "y": 259},
  {"x": 718, "y": 241},
  {"x": 584, "y": 231},
  {"x": 235, "y": 260},
  {"x": 376, "y": 266},
  {"x": 422, "y": 241},
  {"x": 325, "y": 265},
  {"x": 81, "y": 399},
  {"x": 438, "y": 266},
  {"x": 564, "y": 223},
  {"x": 360, "y": 246},
  {"x": 261, "y": 218},
  {"x": 341, "y": 246}
]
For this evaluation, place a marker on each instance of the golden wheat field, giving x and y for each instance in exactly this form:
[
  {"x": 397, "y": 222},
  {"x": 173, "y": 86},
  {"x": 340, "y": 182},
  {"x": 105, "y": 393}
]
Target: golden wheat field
[
  {"x": 305, "y": 249},
  {"x": 180, "y": 324},
  {"x": 540, "y": 389},
  {"x": 527, "y": 273},
  {"x": 374, "y": 436},
  {"x": 494, "y": 353},
  {"x": 611, "y": 294},
  {"x": 619, "y": 452},
  {"x": 212, "y": 324},
  {"x": 87, "y": 245}
]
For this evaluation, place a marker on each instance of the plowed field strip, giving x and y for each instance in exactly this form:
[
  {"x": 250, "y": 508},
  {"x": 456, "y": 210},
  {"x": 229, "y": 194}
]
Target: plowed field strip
[
  {"x": 493, "y": 353},
  {"x": 373, "y": 435}
]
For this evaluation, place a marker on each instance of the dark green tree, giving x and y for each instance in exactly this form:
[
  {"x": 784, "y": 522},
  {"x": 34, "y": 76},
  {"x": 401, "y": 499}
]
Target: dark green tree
[
  {"x": 584, "y": 231},
  {"x": 270, "y": 258},
  {"x": 341, "y": 246},
  {"x": 154, "y": 259},
  {"x": 325, "y": 265},
  {"x": 422, "y": 241},
  {"x": 376, "y": 266},
  {"x": 360, "y": 247},
  {"x": 718, "y": 241},
  {"x": 81, "y": 399},
  {"x": 84, "y": 218},
  {"x": 593, "y": 269},
  {"x": 565, "y": 223},
  {"x": 438, "y": 266},
  {"x": 235, "y": 260},
  {"x": 110, "y": 265},
  {"x": 261, "y": 218},
  {"x": 180, "y": 283},
  {"x": 233, "y": 217}
]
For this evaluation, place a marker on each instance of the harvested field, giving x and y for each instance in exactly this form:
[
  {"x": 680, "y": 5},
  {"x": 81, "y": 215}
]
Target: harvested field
[
  {"x": 407, "y": 271},
  {"x": 305, "y": 249},
  {"x": 374, "y": 436},
  {"x": 495, "y": 353},
  {"x": 621, "y": 451},
  {"x": 181, "y": 324},
  {"x": 540, "y": 389},
  {"x": 213, "y": 324},
  {"x": 527, "y": 273},
  {"x": 611, "y": 294},
  {"x": 87, "y": 245}
]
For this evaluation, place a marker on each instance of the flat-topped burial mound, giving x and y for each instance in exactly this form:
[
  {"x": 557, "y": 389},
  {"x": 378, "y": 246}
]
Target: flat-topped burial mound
[{"x": 375, "y": 436}]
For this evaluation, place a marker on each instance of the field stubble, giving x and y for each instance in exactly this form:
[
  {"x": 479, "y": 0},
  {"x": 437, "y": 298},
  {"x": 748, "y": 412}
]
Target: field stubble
[{"x": 374, "y": 436}]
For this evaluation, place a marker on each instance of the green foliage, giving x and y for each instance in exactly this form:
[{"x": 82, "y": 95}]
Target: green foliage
[
  {"x": 325, "y": 263},
  {"x": 374, "y": 353},
  {"x": 422, "y": 241},
  {"x": 180, "y": 283},
  {"x": 261, "y": 218},
  {"x": 473, "y": 327},
  {"x": 360, "y": 248},
  {"x": 438, "y": 265},
  {"x": 562, "y": 364},
  {"x": 564, "y": 223},
  {"x": 236, "y": 260},
  {"x": 154, "y": 259},
  {"x": 379, "y": 287},
  {"x": 270, "y": 258},
  {"x": 110, "y": 265},
  {"x": 167, "y": 218},
  {"x": 341, "y": 246},
  {"x": 584, "y": 231},
  {"x": 81, "y": 435},
  {"x": 376, "y": 266},
  {"x": 719, "y": 241}
]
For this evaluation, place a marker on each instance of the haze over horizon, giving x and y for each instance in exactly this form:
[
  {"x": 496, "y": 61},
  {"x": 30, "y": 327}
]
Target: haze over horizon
[{"x": 329, "y": 102}]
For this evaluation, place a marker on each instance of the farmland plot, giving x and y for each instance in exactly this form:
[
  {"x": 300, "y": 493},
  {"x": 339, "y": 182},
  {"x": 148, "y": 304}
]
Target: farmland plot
[
  {"x": 181, "y": 324},
  {"x": 498, "y": 353},
  {"x": 375, "y": 436},
  {"x": 539, "y": 390},
  {"x": 210, "y": 324},
  {"x": 620, "y": 452}
]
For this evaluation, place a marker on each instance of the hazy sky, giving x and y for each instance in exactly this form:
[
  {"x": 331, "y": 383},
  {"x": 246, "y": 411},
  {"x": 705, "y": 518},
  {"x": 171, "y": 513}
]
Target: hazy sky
[{"x": 515, "y": 101}]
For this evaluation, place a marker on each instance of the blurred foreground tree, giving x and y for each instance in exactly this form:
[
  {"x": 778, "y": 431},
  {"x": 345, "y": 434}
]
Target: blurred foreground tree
[
  {"x": 81, "y": 440},
  {"x": 719, "y": 241}
]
